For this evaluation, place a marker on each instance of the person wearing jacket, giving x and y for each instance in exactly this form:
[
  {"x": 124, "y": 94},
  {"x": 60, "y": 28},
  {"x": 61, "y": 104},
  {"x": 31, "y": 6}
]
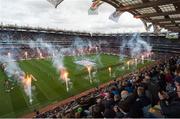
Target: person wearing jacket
[{"x": 170, "y": 104}]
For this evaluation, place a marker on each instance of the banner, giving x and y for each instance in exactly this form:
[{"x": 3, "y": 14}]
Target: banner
[
  {"x": 55, "y": 2},
  {"x": 172, "y": 35},
  {"x": 93, "y": 10},
  {"x": 147, "y": 27},
  {"x": 115, "y": 16}
]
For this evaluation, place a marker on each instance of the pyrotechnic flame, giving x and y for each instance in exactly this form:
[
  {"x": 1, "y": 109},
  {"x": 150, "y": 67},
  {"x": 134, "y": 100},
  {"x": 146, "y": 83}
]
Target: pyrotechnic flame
[
  {"x": 128, "y": 63},
  {"x": 89, "y": 68},
  {"x": 28, "y": 79},
  {"x": 62, "y": 73},
  {"x": 40, "y": 55},
  {"x": 27, "y": 82},
  {"x": 64, "y": 76},
  {"x": 96, "y": 48},
  {"x": 26, "y": 54},
  {"x": 89, "y": 71},
  {"x": 9, "y": 54},
  {"x": 110, "y": 71},
  {"x": 142, "y": 58},
  {"x": 136, "y": 61}
]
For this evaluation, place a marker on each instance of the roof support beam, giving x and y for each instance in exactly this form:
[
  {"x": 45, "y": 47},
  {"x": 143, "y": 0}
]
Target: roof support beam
[
  {"x": 170, "y": 28},
  {"x": 111, "y": 2},
  {"x": 162, "y": 20},
  {"x": 157, "y": 14},
  {"x": 148, "y": 4},
  {"x": 173, "y": 29},
  {"x": 145, "y": 1}
]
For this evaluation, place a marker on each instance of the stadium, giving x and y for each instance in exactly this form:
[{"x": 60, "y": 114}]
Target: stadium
[{"x": 50, "y": 72}]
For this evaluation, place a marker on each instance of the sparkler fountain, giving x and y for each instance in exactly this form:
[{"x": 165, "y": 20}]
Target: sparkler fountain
[
  {"x": 27, "y": 82},
  {"x": 89, "y": 68},
  {"x": 128, "y": 63},
  {"x": 57, "y": 57},
  {"x": 110, "y": 71},
  {"x": 136, "y": 62},
  {"x": 13, "y": 71},
  {"x": 142, "y": 59},
  {"x": 96, "y": 49},
  {"x": 26, "y": 55},
  {"x": 9, "y": 54},
  {"x": 67, "y": 80},
  {"x": 40, "y": 55},
  {"x": 64, "y": 76}
]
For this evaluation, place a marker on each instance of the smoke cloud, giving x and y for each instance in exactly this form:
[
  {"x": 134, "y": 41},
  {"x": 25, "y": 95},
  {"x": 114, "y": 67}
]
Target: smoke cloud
[{"x": 136, "y": 46}]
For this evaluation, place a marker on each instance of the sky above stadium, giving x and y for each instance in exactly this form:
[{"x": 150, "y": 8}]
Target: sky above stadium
[{"x": 70, "y": 15}]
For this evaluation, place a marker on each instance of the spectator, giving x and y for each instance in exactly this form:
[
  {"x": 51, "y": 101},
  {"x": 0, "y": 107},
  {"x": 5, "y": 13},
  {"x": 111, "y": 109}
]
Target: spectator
[
  {"x": 109, "y": 113},
  {"x": 118, "y": 112},
  {"x": 151, "y": 90},
  {"x": 116, "y": 99},
  {"x": 170, "y": 104},
  {"x": 140, "y": 106},
  {"x": 108, "y": 101},
  {"x": 168, "y": 76},
  {"x": 126, "y": 101},
  {"x": 114, "y": 91},
  {"x": 97, "y": 109}
]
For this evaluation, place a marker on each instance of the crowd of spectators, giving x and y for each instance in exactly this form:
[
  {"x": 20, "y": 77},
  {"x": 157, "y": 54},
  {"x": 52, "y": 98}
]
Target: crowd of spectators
[
  {"x": 153, "y": 92},
  {"x": 159, "y": 44}
]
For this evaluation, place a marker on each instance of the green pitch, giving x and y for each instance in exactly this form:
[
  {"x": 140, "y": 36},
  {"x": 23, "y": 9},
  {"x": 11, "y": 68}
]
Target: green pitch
[{"x": 49, "y": 89}]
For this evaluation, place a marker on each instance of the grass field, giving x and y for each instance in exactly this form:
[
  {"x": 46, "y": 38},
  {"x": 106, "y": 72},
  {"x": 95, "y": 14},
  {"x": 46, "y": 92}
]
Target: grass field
[{"x": 48, "y": 89}]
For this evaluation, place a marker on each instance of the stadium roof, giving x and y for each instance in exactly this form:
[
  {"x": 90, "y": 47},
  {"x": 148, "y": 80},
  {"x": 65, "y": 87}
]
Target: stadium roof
[{"x": 164, "y": 13}]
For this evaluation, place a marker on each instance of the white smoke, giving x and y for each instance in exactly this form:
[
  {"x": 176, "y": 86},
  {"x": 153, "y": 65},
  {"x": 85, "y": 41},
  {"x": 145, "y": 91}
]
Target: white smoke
[
  {"x": 136, "y": 45},
  {"x": 11, "y": 68},
  {"x": 57, "y": 55},
  {"x": 14, "y": 72},
  {"x": 35, "y": 45},
  {"x": 84, "y": 46}
]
